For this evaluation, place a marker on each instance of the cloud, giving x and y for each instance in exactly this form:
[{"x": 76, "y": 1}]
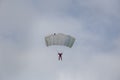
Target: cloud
[
  {"x": 25, "y": 23},
  {"x": 14, "y": 30},
  {"x": 107, "y": 7},
  {"x": 53, "y": 6},
  {"x": 97, "y": 67}
]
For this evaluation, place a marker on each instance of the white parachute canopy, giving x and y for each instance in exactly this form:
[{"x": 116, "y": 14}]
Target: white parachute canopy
[{"x": 59, "y": 39}]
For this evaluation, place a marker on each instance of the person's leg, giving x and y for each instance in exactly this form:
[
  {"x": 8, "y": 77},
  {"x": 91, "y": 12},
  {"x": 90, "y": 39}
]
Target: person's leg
[{"x": 61, "y": 57}]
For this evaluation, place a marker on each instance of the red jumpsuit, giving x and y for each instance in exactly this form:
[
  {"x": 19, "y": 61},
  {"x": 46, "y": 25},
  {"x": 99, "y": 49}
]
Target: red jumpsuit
[{"x": 60, "y": 56}]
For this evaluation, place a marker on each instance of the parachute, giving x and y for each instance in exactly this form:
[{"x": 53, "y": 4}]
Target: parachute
[{"x": 59, "y": 39}]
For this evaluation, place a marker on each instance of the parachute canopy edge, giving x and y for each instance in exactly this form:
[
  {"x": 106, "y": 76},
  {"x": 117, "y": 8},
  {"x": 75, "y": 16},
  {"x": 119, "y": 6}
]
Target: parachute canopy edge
[{"x": 59, "y": 39}]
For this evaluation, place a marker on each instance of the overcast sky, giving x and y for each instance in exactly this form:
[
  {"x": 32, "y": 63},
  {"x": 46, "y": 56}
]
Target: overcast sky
[{"x": 95, "y": 54}]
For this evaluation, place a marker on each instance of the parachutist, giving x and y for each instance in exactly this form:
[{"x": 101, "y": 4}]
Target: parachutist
[
  {"x": 60, "y": 56},
  {"x": 54, "y": 33},
  {"x": 59, "y": 39}
]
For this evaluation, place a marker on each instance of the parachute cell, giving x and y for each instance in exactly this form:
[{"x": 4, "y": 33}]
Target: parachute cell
[{"x": 60, "y": 39}]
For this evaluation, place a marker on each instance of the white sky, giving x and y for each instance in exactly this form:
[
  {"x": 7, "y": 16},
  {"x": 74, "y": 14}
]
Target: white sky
[{"x": 94, "y": 23}]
